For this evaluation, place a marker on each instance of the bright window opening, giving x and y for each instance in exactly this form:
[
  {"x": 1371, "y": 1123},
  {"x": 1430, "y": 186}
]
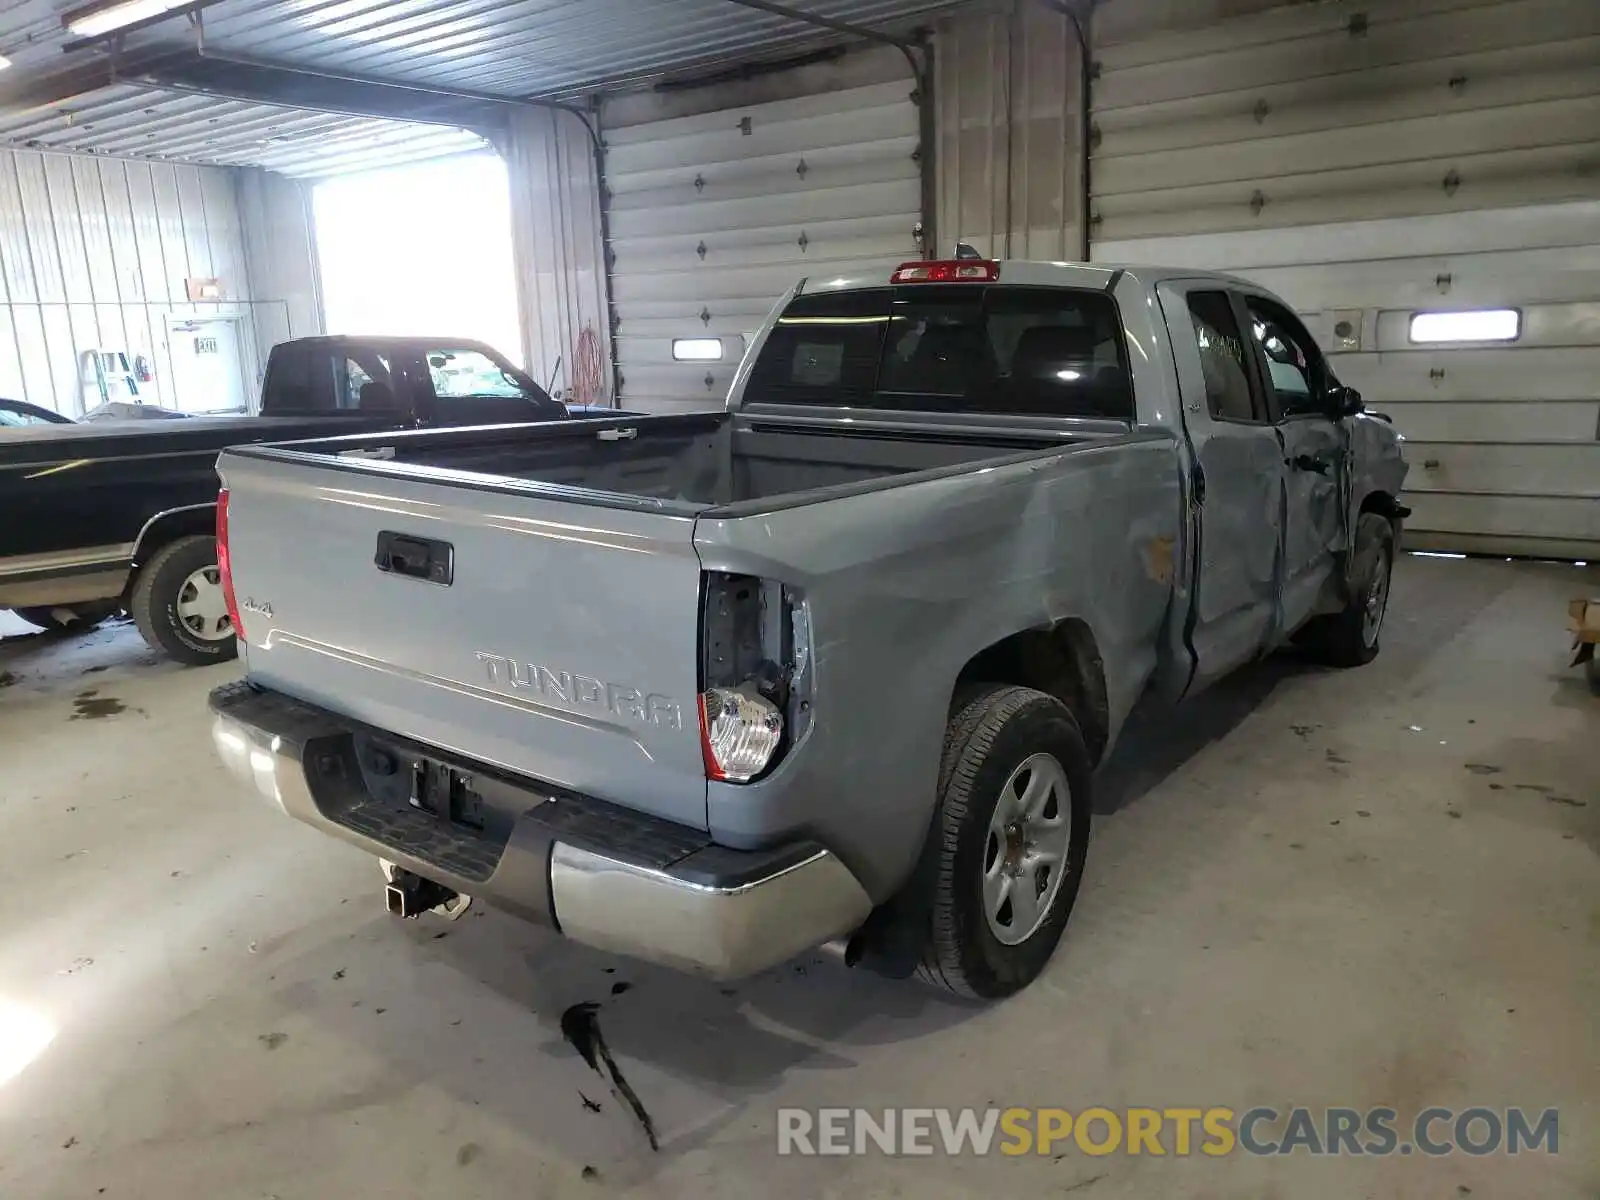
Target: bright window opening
[
  {"x": 697, "y": 349},
  {"x": 421, "y": 251},
  {"x": 1484, "y": 325}
]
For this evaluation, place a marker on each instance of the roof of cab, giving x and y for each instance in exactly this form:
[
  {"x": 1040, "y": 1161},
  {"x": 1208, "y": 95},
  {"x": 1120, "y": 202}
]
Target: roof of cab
[{"x": 1029, "y": 273}]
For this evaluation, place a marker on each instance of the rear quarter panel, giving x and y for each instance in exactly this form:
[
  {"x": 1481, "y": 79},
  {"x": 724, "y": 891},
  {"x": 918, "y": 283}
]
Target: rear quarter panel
[{"x": 905, "y": 584}]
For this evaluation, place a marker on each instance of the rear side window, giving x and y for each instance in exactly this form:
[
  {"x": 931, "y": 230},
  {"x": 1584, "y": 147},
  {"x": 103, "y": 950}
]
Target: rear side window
[
  {"x": 1222, "y": 358},
  {"x": 367, "y": 382},
  {"x": 963, "y": 348}
]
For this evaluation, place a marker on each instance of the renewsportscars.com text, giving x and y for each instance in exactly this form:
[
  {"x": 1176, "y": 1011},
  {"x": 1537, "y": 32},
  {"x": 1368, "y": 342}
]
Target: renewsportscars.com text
[{"x": 1214, "y": 1131}]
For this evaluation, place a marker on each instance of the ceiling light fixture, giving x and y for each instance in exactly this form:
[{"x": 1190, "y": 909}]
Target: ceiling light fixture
[
  {"x": 98, "y": 19},
  {"x": 4, "y": 62}
]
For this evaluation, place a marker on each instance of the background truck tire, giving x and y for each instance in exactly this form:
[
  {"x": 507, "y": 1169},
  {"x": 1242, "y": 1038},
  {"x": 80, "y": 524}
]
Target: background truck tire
[
  {"x": 992, "y": 735},
  {"x": 162, "y": 593},
  {"x": 70, "y": 618},
  {"x": 1346, "y": 638}
]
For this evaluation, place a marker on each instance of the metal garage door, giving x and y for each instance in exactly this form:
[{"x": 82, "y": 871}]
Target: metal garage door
[
  {"x": 1375, "y": 161},
  {"x": 715, "y": 214}
]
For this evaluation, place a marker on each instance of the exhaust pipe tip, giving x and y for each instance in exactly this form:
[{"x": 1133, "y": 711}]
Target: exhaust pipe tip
[
  {"x": 846, "y": 950},
  {"x": 394, "y": 899}
]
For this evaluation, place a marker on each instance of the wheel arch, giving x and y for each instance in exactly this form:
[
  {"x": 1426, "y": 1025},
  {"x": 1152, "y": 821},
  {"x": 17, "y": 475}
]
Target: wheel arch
[
  {"x": 1384, "y": 504},
  {"x": 1062, "y": 660},
  {"x": 167, "y": 527}
]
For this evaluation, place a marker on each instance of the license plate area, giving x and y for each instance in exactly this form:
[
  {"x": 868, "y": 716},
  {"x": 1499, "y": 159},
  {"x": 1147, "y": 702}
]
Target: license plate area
[
  {"x": 459, "y": 795},
  {"x": 441, "y": 790}
]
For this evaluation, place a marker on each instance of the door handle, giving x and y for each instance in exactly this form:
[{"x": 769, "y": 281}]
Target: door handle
[
  {"x": 416, "y": 558},
  {"x": 1304, "y": 462}
]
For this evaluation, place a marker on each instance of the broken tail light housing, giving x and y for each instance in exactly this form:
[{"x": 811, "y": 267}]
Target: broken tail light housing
[
  {"x": 225, "y": 563},
  {"x": 947, "y": 271},
  {"x": 755, "y": 674}
]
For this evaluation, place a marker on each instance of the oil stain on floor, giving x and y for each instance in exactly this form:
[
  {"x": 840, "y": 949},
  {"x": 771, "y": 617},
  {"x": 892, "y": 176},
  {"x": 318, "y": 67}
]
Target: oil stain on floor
[{"x": 89, "y": 705}]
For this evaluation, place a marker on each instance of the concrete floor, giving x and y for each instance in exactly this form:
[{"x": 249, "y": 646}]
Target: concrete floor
[{"x": 1303, "y": 895}]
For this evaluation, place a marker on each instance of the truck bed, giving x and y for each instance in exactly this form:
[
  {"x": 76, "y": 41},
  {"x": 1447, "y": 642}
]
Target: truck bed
[
  {"x": 529, "y": 597},
  {"x": 699, "y": 460}
]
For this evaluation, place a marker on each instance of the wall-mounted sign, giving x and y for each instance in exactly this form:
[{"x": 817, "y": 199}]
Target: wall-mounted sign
[
  {"x": 204, "y": 289},
  {"x": 205, "y": 345}
]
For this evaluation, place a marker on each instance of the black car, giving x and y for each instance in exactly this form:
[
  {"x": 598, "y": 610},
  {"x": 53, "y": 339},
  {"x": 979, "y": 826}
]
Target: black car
[{"x": 16, "y": 413}]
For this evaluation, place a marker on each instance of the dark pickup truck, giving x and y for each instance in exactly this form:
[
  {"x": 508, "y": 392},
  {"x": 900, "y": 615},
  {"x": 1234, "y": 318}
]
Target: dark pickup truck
[{"x": 100, "y": 518}]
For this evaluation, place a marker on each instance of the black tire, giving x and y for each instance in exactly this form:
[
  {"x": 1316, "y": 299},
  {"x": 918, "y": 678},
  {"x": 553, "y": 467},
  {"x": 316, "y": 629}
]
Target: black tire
[
  {"x": 69, "y": 618},
  {"x": 155, "y": 598},
  {"x": 988, "y": 738},
  {"x": 1344, "y": 638}
]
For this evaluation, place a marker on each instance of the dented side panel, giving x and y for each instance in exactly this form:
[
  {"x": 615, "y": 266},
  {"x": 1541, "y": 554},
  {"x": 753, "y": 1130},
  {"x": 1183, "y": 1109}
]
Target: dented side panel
[{"x": 904, "y": 585}]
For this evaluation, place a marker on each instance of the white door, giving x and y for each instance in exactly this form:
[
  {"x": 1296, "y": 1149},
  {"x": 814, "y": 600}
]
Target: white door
[
  {"x": 207, "y": 373},
  {"x": 1371, "y": 163},
  {"x": 717, "y": 208}
]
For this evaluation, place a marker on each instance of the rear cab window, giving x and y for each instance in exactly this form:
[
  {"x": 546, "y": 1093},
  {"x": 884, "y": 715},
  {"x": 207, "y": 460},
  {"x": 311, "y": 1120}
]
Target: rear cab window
[{"x": 990, "y": 348}]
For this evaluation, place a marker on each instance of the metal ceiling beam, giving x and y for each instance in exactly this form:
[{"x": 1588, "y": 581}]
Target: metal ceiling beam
[
  {"x": 23, "y": 92},
  {"x": 260, "y": 82},
  {"x": 846, "y": 28}
]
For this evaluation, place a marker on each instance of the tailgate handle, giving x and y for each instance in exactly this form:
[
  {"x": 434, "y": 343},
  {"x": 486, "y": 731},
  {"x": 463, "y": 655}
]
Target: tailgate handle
[{"x": 416, "y": 558}]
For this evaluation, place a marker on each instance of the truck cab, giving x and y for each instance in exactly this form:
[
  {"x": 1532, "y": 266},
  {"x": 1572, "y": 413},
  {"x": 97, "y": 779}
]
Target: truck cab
[{"x": 403, "y": 381}]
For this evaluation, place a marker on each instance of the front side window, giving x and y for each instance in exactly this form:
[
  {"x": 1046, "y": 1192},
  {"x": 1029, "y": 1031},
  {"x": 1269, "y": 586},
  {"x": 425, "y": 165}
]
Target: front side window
[
  {"x": 458, "y": 374},
  {"x": 1294, "y": 364},
  {"x": 15, "y": 417},
  {"x": 949, "y": 348}
]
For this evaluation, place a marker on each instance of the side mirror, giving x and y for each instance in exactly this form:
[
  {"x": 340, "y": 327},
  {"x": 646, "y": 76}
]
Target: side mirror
[{"x": 1345, "y": 401}]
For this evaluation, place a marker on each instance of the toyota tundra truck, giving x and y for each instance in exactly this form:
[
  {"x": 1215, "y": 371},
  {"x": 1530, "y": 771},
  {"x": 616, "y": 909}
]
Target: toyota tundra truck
[{"x": 833, "y": 666}]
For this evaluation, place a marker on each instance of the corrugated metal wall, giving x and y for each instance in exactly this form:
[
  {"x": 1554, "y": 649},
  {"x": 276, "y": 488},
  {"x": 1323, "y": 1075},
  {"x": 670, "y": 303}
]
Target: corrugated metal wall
[
  {"x": 280, "y": 248},
  {"x": 723, "y": 197},
  {"x": 94, "y": 254},
  {"x": 1372, "y": 160},
  {"x": 560, "y": 255},
  {"x": 1008, "y": 102}
]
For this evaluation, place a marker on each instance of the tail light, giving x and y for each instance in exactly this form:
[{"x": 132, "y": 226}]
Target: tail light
[
  {"x": 225, "y": 563},
  {"x": 740, "y": 731},
  {"x": 755, "y": 674},
  {"x": 954, "y": 271}
]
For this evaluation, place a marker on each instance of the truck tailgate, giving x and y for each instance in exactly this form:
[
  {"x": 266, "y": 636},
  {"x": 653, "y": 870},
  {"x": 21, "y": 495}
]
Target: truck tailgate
[{"x": 550, "y": 637}]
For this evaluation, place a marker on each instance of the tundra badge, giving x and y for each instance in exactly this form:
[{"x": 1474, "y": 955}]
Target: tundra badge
[{"x": 572, "y": 689}]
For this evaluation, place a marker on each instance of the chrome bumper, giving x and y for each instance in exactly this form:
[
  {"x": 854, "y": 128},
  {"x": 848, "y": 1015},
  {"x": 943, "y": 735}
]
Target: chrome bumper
[{"x": 678, "y": 901}]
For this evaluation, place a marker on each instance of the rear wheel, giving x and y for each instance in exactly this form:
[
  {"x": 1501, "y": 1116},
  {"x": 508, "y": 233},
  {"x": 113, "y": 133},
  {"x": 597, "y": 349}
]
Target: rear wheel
[
  {"x": 1009, "y": 841},
  {"x": 178, "y": 603},
  {"x": 70, "y": 618}
]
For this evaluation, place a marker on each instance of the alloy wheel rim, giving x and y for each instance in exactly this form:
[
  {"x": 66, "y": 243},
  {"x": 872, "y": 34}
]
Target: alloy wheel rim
[
  {"x": 1025, "y": 850},
  {"x": 1376, "y": 602}
]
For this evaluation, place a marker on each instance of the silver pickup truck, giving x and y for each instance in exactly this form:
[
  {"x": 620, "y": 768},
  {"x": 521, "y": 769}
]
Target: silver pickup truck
[{"x": 834, "y": 666}]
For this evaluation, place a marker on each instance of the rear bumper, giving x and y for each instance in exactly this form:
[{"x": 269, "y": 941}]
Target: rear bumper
[{"x": 599, "y": 873}]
